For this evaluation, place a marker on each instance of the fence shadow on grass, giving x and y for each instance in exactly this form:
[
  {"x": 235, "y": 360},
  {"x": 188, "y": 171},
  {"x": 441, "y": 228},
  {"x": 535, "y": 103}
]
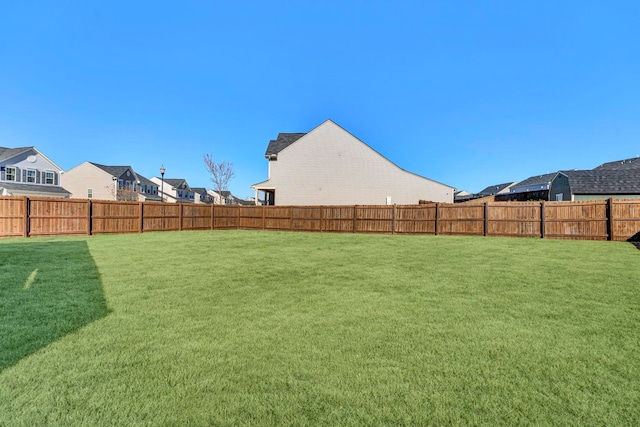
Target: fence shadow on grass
[
  {"x": 47, "y": 290},
  {"x": 635, "y": 240}
]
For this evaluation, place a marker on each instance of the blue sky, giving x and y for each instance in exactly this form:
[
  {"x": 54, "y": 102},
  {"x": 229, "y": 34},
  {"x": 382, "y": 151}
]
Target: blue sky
[{"x": 468, "y": 93}]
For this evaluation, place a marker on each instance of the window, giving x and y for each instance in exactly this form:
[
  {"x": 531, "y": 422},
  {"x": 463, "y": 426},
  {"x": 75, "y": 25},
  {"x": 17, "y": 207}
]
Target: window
[
  {"x": 559, "y": 197},
  {"x": 48, "y": 178},
  {"x": 135, "y": 186},
  {"x": 31, "y": 176},
  {"x": 11, "y": 174},
  {"x": 89, "y": 193},
  {"x": 120, "y": 183},
  {"x": 127, "y": 183}
]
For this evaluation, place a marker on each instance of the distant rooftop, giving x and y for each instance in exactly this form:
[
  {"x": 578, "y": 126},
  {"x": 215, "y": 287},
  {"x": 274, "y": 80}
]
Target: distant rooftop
[{"x": 633, "y": 163}]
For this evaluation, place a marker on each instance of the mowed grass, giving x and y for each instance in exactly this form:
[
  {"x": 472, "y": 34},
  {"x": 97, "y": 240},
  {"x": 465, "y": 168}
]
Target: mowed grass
[{"x": 265, "y": 328}]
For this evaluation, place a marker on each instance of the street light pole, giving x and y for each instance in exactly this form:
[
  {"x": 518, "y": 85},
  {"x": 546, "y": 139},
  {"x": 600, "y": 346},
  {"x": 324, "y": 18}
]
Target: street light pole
[{"x": 162, "y": 171}]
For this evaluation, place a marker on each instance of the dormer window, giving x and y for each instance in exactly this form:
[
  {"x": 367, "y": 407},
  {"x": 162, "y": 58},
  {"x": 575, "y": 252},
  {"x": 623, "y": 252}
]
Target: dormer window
[{"x": 31, "y": 176}]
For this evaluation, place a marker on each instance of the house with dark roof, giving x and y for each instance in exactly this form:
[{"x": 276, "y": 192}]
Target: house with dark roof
[
  {"x": 618, "y": 179},
  {"x": 533, "y": 188},
  {"x": 175, "y": 190},
  {"x": 91, "y": 180},
  {"x": 596, "y": 184},
  {"x": 330, "y": 166},
  {"x": 225, "y": 197},
  {"x": 486, "y": 193},
  {"x": 200, "y": 195},
  {"x": 25, "y": 171}
]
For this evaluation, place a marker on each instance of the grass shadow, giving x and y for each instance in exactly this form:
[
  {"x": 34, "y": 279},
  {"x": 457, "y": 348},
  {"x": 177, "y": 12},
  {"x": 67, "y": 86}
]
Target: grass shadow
[{"x": 47, "y": 290}]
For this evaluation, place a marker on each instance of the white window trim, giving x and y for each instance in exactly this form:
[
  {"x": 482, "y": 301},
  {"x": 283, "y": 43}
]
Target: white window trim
[
  {"x": 15, "y": 173},
  {"x": 34, "y": 176},
  {"x": 46, "y": 178}
]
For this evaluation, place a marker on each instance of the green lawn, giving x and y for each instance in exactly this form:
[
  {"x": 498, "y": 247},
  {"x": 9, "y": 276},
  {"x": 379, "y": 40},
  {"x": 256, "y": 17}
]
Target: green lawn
[{"x": 264, "y": 328}]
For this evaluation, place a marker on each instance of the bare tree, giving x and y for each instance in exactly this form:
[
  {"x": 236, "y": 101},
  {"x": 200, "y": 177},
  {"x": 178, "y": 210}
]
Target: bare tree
[
  {"x": 124, "y": 193},
  {"x": 221, "y": 173}
]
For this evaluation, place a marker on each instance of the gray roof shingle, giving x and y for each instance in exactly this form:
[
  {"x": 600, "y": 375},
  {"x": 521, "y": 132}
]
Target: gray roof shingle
[
  {"x": 633, "y": 163},
  {"x": 7, "y": 153},
  {"x": 284, "y": 140},
  {"x": 114, "y": 170},
  {"x": 604, "y": 181},
  {"x": 176, "y": 182},
  {"x": 536, "y": 180},
  {"x": 493, "y": 189},
  {"x": 34, "y": 188}
]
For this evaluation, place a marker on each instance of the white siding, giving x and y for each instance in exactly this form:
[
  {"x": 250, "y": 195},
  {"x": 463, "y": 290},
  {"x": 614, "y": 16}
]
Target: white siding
[
  {"x": 84, "y": 176},
  {"x": 330, "y": 166}
]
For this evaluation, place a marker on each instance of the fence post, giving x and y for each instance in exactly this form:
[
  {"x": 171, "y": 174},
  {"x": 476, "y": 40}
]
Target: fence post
[
  {"x": 435, "y": 228},
  {"x": 393, "y": 220},
  {"x": 212, "y": 216},
  {"x": 321, "y": 217},
  {"x": 355, "y": 210},
  {"x": 264, "y": 221},
  {"x": 180, "y": 216},
  {"x": 610, "y": 219},
  {"x": 26, "y": 208},
  {"x": 237, "y": 217},
  {"x": 486, "y": 218},
  {"x": 141, "y": 217},
  {"x": 542, "y": 219},
  {"x": 89, "y": 217},
  {"x": 290, "y": 218}
]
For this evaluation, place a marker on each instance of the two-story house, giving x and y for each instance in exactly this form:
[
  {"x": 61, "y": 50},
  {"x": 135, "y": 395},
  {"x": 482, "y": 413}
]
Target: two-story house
[
  {"x": 91, "y": 180},
  {"x": 201, "y": 196},
  {"x": 330, "y": 166},
  {"x": 174, "y": 190},
  {"x": 25, "y": 171}
]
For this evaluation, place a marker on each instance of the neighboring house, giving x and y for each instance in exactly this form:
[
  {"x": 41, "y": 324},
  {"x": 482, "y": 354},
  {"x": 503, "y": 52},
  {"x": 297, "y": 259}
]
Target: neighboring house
[
  {"x": 25, "y": 171},
  {"x": 597, "y": 184},
  {"x": 176, "y": 190},
  {"x": 532, "y": 188},
  {"x": 201, "y": 196},
  {"x": 226, "y": 198},
  {"x": 251, "y": 201},
  {"x": 486, "y": 194},
  {"x": 91, "y": 180},
  {"x": 619, "y": 179},
  {"x": 330, "y": 166},
  {"x": 462, "y": 196}
]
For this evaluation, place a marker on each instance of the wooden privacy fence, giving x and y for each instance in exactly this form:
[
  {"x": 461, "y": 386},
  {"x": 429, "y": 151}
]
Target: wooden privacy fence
[{"x": 594, "y": 220}]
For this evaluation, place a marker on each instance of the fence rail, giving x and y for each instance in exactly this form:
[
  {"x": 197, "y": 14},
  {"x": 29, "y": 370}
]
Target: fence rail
[{"x": 610, "y": 219}]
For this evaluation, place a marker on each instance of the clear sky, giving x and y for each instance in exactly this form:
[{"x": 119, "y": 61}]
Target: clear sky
[{"x": 468, "y": 93}]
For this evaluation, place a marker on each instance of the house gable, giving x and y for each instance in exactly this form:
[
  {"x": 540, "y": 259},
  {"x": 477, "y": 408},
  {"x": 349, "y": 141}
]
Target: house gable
[
  {"x": 26, "y": 171},
  {"x": 97, "y": 181},
  {"x": 90, "y": 180},
  {"x": 329, "y": 165}
]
